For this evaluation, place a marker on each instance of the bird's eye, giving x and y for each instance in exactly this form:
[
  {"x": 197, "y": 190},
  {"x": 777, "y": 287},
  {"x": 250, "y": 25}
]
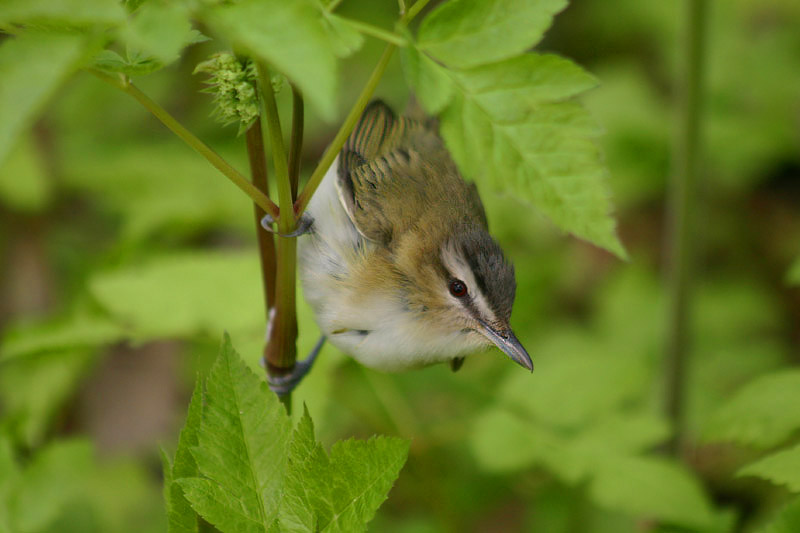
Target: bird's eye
[{"x": 458, "y": 288}]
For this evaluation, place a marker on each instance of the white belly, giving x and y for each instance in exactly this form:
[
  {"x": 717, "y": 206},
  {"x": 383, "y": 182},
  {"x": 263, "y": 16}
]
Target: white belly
[{"x": 376, "y": 330}]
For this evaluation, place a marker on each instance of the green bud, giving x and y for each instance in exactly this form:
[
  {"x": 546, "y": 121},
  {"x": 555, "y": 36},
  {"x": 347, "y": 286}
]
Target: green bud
[{"x": 233, "y": 84}]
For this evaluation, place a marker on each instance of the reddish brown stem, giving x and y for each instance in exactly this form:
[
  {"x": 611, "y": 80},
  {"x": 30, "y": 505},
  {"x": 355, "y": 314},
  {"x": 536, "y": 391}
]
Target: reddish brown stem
[{"x": 266, "y": 242}]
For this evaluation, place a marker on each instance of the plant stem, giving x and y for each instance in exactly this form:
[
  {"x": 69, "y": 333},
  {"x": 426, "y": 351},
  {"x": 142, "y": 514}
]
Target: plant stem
[
  {"x": 266, "y": 243},
  {"x": 296, "y": 142},
  {"x": 413, "y": 11},
  {"x": 281, "y": 349},
  {"x": 199, "y": 146},
  {"x": 375, "y": 31},
  {"x": 344, "y": 131},
  {"x": 682, "y": 209}
]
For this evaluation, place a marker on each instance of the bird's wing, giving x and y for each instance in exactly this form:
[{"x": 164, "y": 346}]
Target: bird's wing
[
  {"x": 393, "y": 170},
  {"x": 377, "y": 182}
]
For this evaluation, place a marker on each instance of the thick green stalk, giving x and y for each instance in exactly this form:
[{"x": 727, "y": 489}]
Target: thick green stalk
[
  {"x": 682, "y": 210},
  {"x": 296, "y": 144},
  {"x": 281, "y": 349},
  {"x": 344, "y": 131},
  {"x": 199, "y": 146},
  {"x": 266, "y": 242}
]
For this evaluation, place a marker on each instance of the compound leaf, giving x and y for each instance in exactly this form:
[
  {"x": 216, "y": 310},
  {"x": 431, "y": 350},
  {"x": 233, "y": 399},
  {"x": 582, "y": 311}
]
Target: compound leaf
[
  {"x": 467, "y": 33},
  {"x": 511, "y": 123}
]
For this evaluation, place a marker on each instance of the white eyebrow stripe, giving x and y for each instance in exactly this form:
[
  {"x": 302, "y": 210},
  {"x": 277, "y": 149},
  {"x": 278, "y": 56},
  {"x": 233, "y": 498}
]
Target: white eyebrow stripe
[{"x": 459, "y": 268}]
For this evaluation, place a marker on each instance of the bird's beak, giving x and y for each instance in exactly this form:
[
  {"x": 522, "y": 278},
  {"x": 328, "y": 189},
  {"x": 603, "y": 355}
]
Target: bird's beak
[{"x": 506, "y": 340}]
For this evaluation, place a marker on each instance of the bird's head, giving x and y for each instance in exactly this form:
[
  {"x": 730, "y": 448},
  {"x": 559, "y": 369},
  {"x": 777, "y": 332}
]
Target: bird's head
[{"x": 468, "y": 286}]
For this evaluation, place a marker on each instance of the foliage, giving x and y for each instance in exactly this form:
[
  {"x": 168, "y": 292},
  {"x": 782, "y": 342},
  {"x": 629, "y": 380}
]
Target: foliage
[
  {"x": 61, "y": 488},
  {"x": 506, "y": 115},
  {"x": 114, "y": 237},
  {"x": 242, "y": 468}
]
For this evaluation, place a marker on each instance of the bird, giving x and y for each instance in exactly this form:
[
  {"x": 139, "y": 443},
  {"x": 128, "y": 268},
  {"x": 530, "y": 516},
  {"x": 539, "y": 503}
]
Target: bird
[{"x": 396, "y": 260}]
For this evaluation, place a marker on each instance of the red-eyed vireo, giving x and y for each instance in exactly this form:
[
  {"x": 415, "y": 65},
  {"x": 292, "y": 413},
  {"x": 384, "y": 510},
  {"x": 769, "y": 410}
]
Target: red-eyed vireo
[{"x": 398, "y": 264}]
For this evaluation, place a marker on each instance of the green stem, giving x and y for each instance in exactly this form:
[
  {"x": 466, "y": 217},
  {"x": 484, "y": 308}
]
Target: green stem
[
  {"x": 296, "y": 143},
  {"x": 344, "y": 131},
  {"x": 266, "y": 243},
  {"x": 682, "y": 203},
  {"x": 199, "y": 146},
  {"x": 374, "y": 31},
  {"x": 413, "y": 11},
  {"x": 281, "y": 350}
]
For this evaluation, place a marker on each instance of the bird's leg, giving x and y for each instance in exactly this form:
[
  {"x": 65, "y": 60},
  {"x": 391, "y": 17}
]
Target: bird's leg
[
  {"x": 303, "y": 226},
  {"x": 283, "y": 385}
]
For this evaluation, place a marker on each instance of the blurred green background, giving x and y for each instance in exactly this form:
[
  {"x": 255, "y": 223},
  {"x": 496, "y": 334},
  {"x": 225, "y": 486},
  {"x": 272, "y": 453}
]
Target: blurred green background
[{"x": 124, "y": 256}]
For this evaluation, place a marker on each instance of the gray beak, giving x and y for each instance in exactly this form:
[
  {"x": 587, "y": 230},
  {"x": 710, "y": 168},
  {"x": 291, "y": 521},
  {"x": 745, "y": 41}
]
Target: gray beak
[{"x": 508, "y": 342}]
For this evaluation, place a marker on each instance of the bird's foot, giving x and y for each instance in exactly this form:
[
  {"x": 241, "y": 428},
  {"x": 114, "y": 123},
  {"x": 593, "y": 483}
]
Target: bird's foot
[
  {"x": 284, "y": 385},
  {"x": 303, "y": 226}
]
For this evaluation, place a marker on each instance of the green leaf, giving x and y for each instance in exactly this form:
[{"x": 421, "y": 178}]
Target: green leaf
[
  {"x": 148, "y": 191},
  {"x": 9, "y": 474},
  {"x": 289, "y": 36},
  {"x": 32, "y": 67},
  {"x": 345, "y": 39},
  {"x": 81, "y": 329},
  {"x": 24, "y": 183},
  {"x": 794, "y": 274},
  {"x": 576, "y": 362},
  {"x": 242, "y": 449},
  {"x": 159, "y": 29},
  {"x": 361, "y": 474},
  {"x": 433, "y": 87},
  {"x": 502, "y": 441},
  {"x": 134, "y": 65},
  {"x": 653, "y": 488},
  {"x": 33, "y": 390},
  {"x": 62, "y": 12},
  {"x": 306, "y": 490},
  {"x": 340, "y": 492},
  {"x": 511, "y": 124},
  {"x": 256, "y": 474},
  {"x": 787, "y": 520},
  {"x": 181, "y": 516},
  {"x": 184, "y": 294},
  {"x": 54, "y": 479},
  {"x": 782, "y": 468},
  {"x": 467, "y": 33},
  {"x": 762, "y": 413}
]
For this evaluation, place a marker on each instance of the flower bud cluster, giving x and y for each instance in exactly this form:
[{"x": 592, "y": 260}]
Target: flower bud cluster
[{"x": 233, "y": 84}]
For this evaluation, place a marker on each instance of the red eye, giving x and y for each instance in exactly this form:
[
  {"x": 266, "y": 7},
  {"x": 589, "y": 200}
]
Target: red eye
[{"x": 458, "y": 288}]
